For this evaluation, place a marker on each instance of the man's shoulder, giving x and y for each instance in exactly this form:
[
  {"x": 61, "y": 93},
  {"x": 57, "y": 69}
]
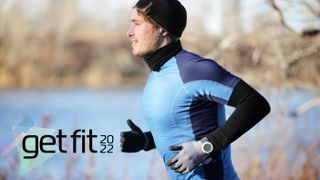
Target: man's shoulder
[
  {"x": 187, "y": 55},
  {"x": 194, "y": 67},
  {"x": 194, "y": 61}
]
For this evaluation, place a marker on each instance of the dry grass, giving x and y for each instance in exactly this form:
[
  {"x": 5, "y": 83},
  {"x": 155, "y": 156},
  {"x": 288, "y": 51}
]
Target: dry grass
[
  {"x": 280, "y": 147},
  {"x": 61, "y": 49},
  {"x": 54, "y": 52}
]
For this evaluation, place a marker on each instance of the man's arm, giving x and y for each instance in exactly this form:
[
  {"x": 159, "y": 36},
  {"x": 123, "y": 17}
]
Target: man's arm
[{"x": 250, "y": 106}]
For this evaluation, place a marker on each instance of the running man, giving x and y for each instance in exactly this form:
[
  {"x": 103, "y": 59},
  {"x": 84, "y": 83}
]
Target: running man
[{"x": 184, "y": 97}]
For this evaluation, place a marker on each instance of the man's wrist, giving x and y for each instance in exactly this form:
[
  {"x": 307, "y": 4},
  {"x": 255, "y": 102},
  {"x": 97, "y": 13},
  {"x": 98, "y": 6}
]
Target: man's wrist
[
  {"x": 147, "y": 142},
  {"x": 207, "y": 147},
  {"x": 149, "y": 145}
]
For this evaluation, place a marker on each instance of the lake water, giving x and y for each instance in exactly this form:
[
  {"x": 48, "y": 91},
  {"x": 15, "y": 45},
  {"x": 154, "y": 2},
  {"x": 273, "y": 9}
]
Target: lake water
[{"x": 106, "y": 112}]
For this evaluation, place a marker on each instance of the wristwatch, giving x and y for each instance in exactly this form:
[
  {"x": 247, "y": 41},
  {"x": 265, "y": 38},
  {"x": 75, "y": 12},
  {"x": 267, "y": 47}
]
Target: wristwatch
[{"x": 207, "y": 147}]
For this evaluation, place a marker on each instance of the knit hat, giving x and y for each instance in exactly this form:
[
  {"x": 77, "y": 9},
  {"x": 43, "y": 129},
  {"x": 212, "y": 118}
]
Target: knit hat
[{"x": 169, "y": 14}]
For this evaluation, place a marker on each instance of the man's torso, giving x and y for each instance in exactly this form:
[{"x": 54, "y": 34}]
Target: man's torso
[{"x": 183, "y": 102}]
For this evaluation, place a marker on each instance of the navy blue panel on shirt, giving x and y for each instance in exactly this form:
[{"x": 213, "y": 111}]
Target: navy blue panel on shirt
[
  {"x": 193, "y": 67},
  {"x": 202, "y": 115}
]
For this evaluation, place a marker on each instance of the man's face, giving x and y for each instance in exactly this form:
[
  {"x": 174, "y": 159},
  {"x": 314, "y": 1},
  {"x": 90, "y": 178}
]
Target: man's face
[{"x": 143, "y": 35}]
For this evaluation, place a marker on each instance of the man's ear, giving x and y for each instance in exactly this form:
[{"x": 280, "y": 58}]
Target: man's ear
[{"x": 163, "y": 32}]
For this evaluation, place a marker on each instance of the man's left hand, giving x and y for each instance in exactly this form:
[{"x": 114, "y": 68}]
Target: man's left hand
[{"x": 188, "y": 158}]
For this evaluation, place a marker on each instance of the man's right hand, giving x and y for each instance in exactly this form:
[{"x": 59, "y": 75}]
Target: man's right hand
[{"x": 134, "y": 140}]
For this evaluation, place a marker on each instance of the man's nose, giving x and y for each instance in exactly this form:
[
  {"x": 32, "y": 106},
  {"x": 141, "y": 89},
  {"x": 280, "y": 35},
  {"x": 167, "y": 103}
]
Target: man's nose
[{"x": 130, "y": 32}]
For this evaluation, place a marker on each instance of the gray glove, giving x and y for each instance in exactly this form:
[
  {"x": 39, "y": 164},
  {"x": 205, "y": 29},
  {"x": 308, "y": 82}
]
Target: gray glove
[{"x": 188, "y": 158}]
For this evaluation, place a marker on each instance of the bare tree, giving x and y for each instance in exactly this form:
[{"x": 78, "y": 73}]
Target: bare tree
[
  {"x": 231, "y": 17},
  {"x": 315, "y": 10}
]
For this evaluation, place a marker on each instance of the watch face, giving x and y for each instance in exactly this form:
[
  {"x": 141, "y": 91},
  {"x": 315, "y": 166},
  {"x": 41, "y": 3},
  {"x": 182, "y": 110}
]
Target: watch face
[{"x": 207, "y": 147}]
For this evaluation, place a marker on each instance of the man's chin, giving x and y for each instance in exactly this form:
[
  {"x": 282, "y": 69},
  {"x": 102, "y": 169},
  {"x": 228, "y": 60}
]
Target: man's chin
[{"x": 138, "y": 54}]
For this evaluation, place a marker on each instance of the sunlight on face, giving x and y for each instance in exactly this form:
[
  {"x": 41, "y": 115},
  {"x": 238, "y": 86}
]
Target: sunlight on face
[{"x": 143, "y": 35}]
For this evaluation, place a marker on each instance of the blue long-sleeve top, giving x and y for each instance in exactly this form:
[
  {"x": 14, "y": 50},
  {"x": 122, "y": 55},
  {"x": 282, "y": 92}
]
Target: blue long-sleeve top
[{"x": 184, "y": 101}]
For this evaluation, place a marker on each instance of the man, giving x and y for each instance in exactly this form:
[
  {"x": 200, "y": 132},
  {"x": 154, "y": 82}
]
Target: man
[{"x": 184, "y": 97}]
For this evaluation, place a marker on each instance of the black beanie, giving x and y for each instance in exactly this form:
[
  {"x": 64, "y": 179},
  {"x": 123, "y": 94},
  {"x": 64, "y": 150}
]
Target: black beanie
[{"x": 169, "y": 14}]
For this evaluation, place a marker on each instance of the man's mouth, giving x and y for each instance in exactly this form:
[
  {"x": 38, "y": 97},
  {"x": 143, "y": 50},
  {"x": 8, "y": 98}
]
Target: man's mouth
[{"x": 133, "y": 42}]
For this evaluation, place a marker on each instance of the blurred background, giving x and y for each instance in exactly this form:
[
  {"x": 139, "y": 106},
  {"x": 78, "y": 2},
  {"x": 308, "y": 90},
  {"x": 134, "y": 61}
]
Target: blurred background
[{"x": 68, "y": 65}]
